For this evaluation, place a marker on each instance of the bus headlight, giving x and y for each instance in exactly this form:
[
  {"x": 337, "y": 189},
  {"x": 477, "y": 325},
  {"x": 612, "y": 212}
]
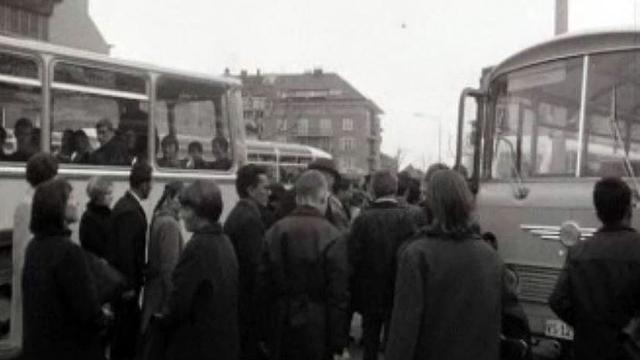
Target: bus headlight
[{"x": 569, "y": 233}]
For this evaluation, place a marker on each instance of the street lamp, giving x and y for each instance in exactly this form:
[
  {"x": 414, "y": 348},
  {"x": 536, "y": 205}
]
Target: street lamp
[{"x": 438, "y": 119}]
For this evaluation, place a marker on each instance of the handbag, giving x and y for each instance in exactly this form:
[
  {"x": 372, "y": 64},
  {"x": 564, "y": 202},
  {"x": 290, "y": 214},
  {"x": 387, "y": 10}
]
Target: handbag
[{"x": 109, "y": 282}]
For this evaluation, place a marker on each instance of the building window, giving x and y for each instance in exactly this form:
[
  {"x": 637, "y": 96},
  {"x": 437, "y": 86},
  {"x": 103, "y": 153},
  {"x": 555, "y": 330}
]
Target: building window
[
  {"x": 347, "y": 143},
  {"x": 347, "y": 124},
  {"x": 325, "y": 126},
  {"x": 303, "y": 126}
]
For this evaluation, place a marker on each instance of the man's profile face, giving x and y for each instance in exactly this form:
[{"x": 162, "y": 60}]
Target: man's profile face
[
  {"x": 104, "y": 134},
  {"x": 23, "y": 136}
]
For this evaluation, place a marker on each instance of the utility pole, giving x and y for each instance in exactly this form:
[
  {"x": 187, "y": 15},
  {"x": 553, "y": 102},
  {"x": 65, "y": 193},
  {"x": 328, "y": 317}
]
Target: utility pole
[{"x": 562, "y": 16}]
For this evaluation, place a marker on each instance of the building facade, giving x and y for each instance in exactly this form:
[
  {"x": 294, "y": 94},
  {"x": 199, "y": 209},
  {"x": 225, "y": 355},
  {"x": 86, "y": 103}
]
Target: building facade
[
  {"x": 62, "y": 22},
  {"x": 317, "y": 109}
]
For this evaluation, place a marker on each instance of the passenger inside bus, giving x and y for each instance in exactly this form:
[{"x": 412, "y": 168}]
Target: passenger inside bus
[
  {"x": 170, "y": 148},
  {"x": 220, "y": 150},
  {"x": 195, "y": 159},
  {"x": 112, "y": 151},
  {"x": 24, "y": 131},
  {"x": 3, "y": 142},
  {"x": 82, "y": 148},
  {"x": 66, "y": 147}
]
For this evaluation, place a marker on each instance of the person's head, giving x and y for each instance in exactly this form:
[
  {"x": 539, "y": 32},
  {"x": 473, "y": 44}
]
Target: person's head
[
  {"x": 434, "y": 168},
  {"x": 195, "y": 149},
  {"x": 130, "y": 139},
  {"x": 201, "y": 204},
  {"x": 328, "y": 169},
  {"x": 220, "y": 147},
  {"x": 170, "y": 147},
  {"x": 312, "y": 190},
  {"x": 23, "y": 131},
  {"x": 404, "y": 179},
  {"x": 81, "y": 141},
  {"x": 612, "y": 199},
  {"x": 170, "y": 199},
  {"x": 450, "y": 202},
  {"x": 252, "y": 183},
  {"x": 276, "y": 194},
  {"x": 53, "y": 207},
  {"x": 100, "y": 191},
  {"x": 383, "y": 183},
  {"x": 104, "y": 131},
  {"x": 66, "y": 143},
  {"x": 140, "y": 179},
  {"x": 41, "y": 167}
]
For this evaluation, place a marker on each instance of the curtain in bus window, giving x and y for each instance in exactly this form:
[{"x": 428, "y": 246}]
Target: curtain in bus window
[
  {"x": 100, "y": 117},
  {"x": 540, "y": 107},
  {"x": 193, "y": 126},
  {"x": 20, "y": 108},
  {"x": 613, "y": 124}
]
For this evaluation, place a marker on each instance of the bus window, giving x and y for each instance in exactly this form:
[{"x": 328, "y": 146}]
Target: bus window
[
  {"x": 613, "y": 94},
  {"x": 100, "y": 117},
  {"x": 192, "y": 124},
  {"x": 20, "y": 108},
  {"x": 540, "y": 104}
]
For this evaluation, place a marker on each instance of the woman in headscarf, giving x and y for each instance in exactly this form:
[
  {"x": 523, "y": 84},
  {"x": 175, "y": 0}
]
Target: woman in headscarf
[
  {"x": 62, "y": 315},
  {"x": 165, "y": 246}
]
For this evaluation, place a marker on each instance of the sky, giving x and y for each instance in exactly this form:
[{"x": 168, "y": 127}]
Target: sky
[{"x": 411, "y": 57}]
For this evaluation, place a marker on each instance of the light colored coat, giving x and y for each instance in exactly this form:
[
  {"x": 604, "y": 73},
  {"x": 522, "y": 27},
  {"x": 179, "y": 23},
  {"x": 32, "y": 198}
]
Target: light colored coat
[{"x": 165, "y": 246}]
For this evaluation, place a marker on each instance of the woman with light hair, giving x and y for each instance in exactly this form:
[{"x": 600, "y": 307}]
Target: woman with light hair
[
  {"x": 450, "y": 292},
  {"x": 95, "y": 225}
]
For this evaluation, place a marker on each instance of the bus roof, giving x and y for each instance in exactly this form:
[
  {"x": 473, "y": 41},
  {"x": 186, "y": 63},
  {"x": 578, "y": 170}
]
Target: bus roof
[
  {"x": 37, "y": 47},
  {"x": 570, "y": 45},
  {"x": 286, "y": 148}
]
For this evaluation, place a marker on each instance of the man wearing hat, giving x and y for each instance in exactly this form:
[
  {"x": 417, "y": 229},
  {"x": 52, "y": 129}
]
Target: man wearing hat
[{"x": 335, "y": 213}]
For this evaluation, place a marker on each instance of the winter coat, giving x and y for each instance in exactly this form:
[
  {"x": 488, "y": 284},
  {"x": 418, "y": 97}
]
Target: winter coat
[
  {"x": 203, "y": 307},
  {"x": 598, "y": 291},
  {"x": 62, "y": 315},
  {"x": 113, "y": 152},
  {"x": 448, "y": 302},
  {"x": 165, "y": 247},
  {"x": 96, "y": 230},
  {"x": 303, "y": 283},
  {"x": 245, "y": 228},
  {"x": 373, "y": 244},
  {"x": 129, "y": 239}
]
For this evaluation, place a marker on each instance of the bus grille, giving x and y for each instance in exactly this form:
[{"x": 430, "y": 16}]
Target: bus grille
[{"x": 535, "y": 282}]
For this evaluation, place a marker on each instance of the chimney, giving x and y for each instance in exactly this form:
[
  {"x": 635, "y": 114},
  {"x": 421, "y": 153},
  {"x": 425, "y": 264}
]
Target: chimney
[
  {"x": 317, "y": 71},
  {"x": 562, "y": 16}
]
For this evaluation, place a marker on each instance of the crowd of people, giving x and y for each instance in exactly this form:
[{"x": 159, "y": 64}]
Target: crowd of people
[{"x": 283, "y": 276}]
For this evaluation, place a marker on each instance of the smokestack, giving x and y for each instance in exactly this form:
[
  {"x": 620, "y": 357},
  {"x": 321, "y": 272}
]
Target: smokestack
[{"x": 562, "y": 16}]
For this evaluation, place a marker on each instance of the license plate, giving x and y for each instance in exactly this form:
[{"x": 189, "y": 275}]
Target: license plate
[{"x": 558, "y": 329}]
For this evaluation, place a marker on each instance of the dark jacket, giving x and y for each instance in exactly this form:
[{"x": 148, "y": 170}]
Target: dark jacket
[
  {"x": 129, "y": 239},
  {"x": 246, "y": 229},
  {"x": 113, "y": 152},
  {"x": 373, "y": 244},
  {"x": 96, "y": 230},
  {"x": 62, "y": 316},
  {"x": 203, "y": 307},
  {"x": 303, "y": 284},
  {"x": 598, "y": 291},
  {"x": 448, "y": 300}
]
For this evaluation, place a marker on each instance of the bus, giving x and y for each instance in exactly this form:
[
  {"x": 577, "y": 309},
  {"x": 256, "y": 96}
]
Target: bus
[
  {"x": 61, "y": 92},
  {"x": 549, "y": 121},
  {"x": 283, "y": 161}
]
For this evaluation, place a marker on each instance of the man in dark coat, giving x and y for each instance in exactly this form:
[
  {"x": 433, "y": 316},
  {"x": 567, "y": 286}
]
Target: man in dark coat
[
  {"x": 598, "y": 291},
  {"x": 112, "y": 151},
  {"x": 304, "y": 279},
  {"x": 127, "y": 252},
  {"x": 373, "y": 244},
  {"x": 245, "y": 227}
]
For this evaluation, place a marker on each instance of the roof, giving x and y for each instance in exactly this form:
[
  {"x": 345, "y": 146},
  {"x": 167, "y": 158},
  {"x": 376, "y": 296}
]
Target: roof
[
  {"x": 39, "y": 47},
  {"x": 330, "y": 86},
  {"x": 44, "y": 7},
  {"x": 570, "y": 45}
]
